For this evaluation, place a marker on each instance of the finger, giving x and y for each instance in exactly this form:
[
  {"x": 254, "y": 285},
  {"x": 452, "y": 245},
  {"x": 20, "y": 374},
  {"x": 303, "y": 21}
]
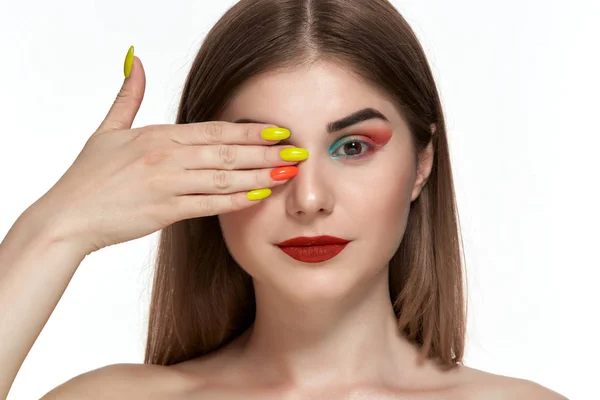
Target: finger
[
  {"x": 128, "y": 101},
  {"x": 223, "y": 132},
  {"x": 196, "y": 206},
  {"x": 223, "y": 182},
  {"x": 232, "y": 156}
]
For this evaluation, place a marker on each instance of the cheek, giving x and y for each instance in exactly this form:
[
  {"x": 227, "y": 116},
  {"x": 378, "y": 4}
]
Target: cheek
[
  {"x": 387, "y": 182},
  {"x": 238, "y": 227},
  {"x": 246, "y": 233},
  {"x": 385, "y": 225},
  {"x": 387, "y": 197},
  {"x": 382, "y": 199}
]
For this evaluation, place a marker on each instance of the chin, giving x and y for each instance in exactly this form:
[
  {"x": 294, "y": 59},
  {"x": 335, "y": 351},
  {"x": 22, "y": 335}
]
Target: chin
[{"x": 333, "y": 280}]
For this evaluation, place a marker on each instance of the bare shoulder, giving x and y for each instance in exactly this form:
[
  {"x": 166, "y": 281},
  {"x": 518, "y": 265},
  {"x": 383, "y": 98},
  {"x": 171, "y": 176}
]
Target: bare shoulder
[
  {"x": 480, "y": 385},
  {"x": 127, "y": 381}
]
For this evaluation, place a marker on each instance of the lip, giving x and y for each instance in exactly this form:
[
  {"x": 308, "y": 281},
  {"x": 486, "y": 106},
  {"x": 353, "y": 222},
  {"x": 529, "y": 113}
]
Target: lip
[
  {"x": 303, "y": 241},
  {"x": 313, "y": 249}
]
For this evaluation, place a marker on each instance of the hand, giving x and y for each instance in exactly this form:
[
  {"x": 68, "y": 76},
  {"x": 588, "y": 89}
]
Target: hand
[{"x": 128, "y": 183}]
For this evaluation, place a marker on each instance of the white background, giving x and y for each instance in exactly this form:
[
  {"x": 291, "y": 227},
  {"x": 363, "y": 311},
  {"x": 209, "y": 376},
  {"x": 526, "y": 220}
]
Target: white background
[{"x": 519, "y": 84}]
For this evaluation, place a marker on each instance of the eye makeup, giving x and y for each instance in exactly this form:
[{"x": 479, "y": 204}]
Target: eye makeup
[{"x": 372, "y": 139}]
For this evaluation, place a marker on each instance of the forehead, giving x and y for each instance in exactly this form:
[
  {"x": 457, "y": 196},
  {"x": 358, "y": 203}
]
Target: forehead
[{"x": 317, "y": 93}]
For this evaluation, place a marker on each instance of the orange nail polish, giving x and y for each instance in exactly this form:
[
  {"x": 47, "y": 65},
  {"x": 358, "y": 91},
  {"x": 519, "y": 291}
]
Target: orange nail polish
[{"x": 280, "y": 174}]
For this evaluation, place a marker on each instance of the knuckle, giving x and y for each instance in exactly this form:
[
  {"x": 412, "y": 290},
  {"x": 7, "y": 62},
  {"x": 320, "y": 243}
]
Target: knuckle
[
  {"x": 227, "y": 155},
  {"x": 259, "y": 179},
  {"x": 150, "y": 129},
  {"x": 247, "y": 134},
  {"x": 147, "y": 134},
  {"x": 137, "y": 133},
  {"x": 235, "y": 203},
  {"x": 221, "y": 179},
  {"x": 212, "y": 132},
  {"x": 123, "y": 94},
  {"x": 266, "y": 156},
  {"x": 206, "y": 205}
]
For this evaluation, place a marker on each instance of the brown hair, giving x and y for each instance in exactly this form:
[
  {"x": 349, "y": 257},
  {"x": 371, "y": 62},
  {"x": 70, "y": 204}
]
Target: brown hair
[{"x": 201, "y": 298}]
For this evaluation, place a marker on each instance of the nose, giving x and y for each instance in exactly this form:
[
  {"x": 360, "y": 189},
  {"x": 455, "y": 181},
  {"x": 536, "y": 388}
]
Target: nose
[{"x": 311, "y": 192}]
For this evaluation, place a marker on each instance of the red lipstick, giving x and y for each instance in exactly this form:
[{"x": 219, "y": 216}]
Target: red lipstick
[{"x": 313, "y": 249}]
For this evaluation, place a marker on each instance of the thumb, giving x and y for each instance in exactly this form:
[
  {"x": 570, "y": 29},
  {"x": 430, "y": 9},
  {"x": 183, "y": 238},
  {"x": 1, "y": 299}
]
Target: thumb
[{"x": 128, "y": 101}]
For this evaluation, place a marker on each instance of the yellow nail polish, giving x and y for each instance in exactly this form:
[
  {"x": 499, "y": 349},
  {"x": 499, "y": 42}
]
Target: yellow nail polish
[
  {"x": 128, "y": 62},
  {"x": 258, "y": 194},
  {"x": 294, "y": 154},
  {"x": 275, "y": 133}
]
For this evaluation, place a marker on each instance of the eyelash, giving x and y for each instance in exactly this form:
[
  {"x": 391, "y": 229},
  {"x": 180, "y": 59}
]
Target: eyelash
[{"x": 371, "y": 146}]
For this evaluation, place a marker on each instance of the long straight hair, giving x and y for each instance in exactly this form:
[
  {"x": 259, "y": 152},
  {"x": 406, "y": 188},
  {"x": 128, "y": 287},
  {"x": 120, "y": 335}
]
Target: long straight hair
[{"x": 201, "y": 298}]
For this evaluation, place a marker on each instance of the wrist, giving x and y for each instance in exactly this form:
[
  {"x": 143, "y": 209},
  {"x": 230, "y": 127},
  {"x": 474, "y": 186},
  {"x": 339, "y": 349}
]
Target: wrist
[{"x": 34, "y": 229}]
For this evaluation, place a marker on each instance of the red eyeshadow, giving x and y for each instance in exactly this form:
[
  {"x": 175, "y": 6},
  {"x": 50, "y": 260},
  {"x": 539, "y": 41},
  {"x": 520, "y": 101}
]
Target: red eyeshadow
[{"x": 379, "y": 135}]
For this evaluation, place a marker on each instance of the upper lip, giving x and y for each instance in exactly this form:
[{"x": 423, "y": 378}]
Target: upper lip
[{"x": 303, "y": 241}]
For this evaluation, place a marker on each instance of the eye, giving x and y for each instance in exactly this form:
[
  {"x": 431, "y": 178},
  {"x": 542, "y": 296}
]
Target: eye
[{"x": 350, "y": 148}]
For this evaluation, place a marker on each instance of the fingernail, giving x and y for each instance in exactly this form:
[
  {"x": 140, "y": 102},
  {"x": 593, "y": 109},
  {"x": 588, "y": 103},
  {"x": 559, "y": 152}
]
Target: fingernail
[
  {"x": 258, "y": 194},
  {"x": 128, "y": 62},
  {"x": 275, "y": 133},
  {"x": 293, "y": 154},
  {"x": 283, "y": 173}
]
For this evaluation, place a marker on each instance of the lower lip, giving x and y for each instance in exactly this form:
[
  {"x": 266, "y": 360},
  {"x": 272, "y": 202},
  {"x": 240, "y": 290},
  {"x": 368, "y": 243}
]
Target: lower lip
[{"x": 314, "y": 254}]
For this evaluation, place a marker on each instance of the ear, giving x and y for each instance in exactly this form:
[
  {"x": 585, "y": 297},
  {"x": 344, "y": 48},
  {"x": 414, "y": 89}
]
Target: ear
[{"x": 424, "y": 165}]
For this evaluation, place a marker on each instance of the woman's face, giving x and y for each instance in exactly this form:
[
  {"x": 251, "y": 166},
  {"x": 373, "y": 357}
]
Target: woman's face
[{"x": 357, "y": 183}]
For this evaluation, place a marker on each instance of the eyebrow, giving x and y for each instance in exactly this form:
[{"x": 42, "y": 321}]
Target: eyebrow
[{"x": 354, "y": 118}]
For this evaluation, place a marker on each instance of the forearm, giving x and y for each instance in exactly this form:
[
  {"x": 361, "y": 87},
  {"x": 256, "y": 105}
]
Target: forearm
[{"x": 35, "y": 270}]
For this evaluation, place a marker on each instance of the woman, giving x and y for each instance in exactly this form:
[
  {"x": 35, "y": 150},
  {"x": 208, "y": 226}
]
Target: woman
[{"x": 345, "y": 279}]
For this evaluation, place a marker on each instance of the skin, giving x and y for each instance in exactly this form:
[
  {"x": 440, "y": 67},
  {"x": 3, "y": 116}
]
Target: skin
[
  {"x": 317, "y": 324},
  {"x": 322, "y": 331}
]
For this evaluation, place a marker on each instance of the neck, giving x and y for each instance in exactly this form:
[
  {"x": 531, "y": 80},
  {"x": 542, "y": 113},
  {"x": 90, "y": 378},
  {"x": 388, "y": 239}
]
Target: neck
[{"x": 349, "y": 340}]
